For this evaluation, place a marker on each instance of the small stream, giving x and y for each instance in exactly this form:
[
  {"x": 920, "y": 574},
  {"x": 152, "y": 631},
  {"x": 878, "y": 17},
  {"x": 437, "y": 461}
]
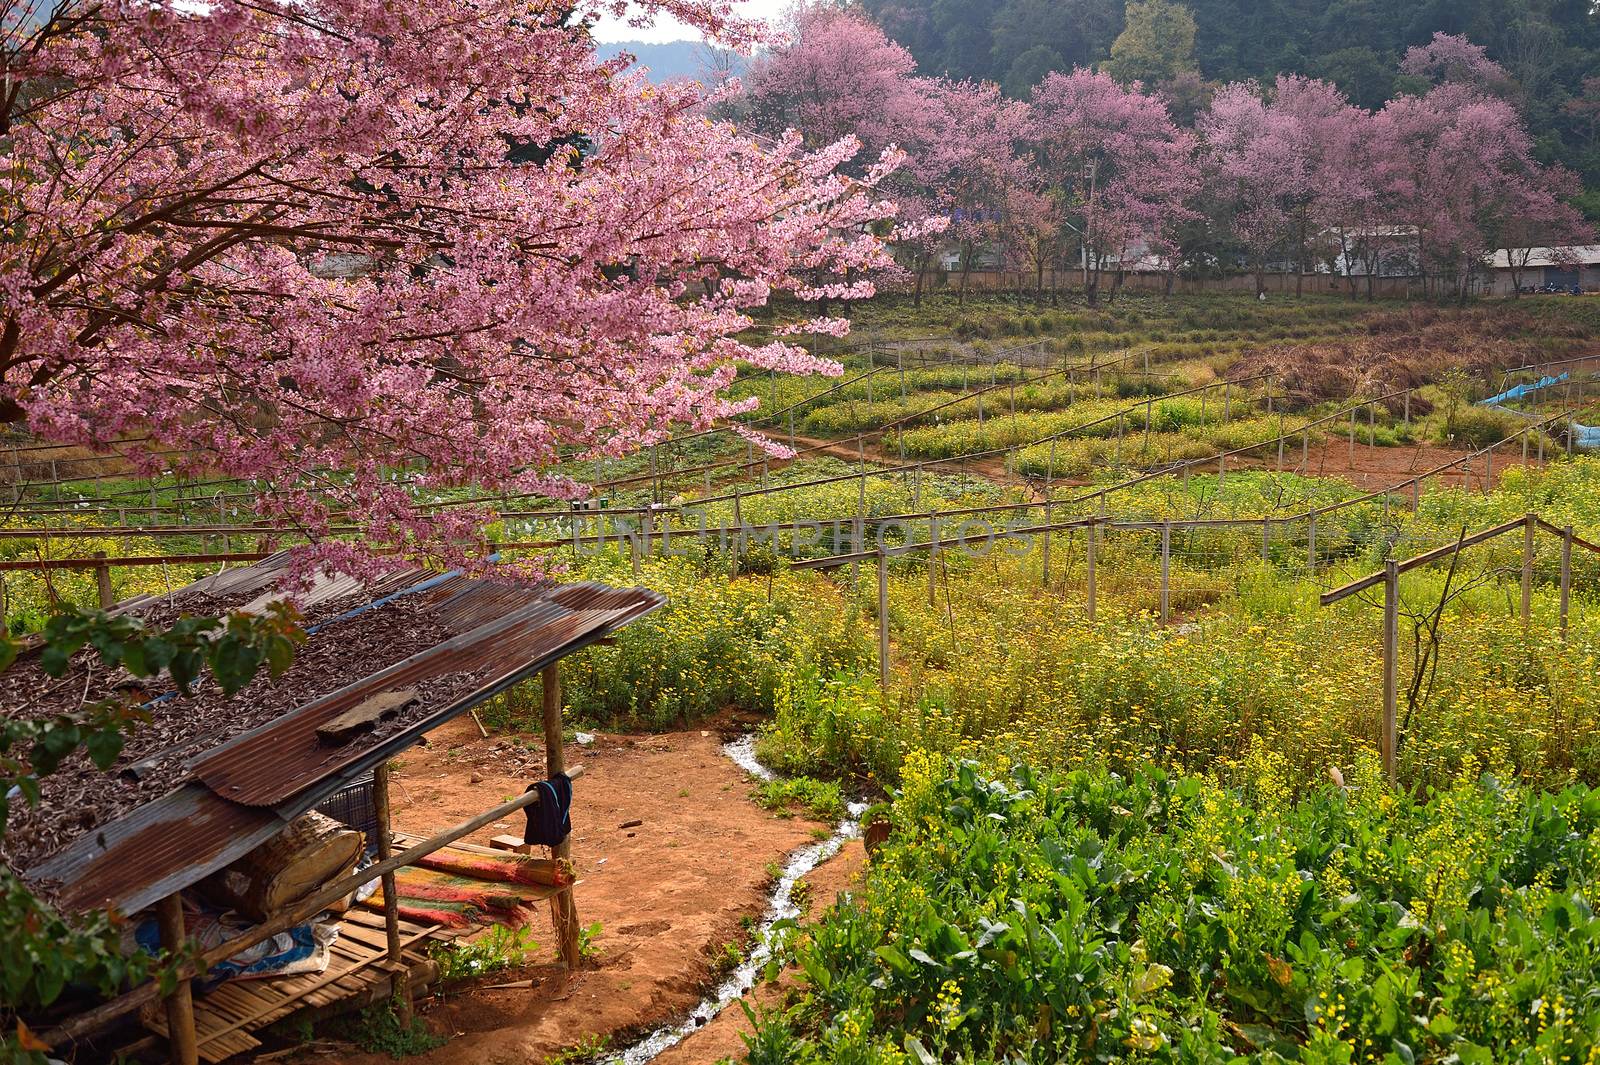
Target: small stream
[{"x": 779, "y": 906}]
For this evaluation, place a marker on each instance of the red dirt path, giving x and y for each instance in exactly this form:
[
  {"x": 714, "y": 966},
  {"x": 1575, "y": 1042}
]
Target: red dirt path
[{"x": 668, "y": 892}]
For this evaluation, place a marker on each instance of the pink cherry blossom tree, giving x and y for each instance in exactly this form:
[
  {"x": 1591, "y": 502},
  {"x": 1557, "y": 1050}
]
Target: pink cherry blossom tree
[
  {"x": 837, "y": 75},
  {"x": 316, "y": 244},
  {"x": 1257, "y": 163},
  {"x": 1120, "y": 168},
  {"x": 966, "y": 162},
  {"x": 1452, "y": 58},
  {"x": 1462, "y": 175}
]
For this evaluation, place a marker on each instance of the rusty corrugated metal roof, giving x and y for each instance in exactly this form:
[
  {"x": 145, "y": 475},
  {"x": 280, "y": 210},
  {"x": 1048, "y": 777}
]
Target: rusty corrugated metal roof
[{"x": 247, "y": 788}]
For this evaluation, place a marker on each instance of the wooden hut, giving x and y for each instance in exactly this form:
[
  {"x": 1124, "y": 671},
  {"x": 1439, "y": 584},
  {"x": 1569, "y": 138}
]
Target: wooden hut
[{"x": 214, "y": 787}]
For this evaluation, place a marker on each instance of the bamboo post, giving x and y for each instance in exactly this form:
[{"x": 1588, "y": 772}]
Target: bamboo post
[
  {"x": 883, "y": 621},
  {"x": 1049, "y": 519},
  {"x": 933, "y": 555},
  {"x": 563, "y": 908},
  {"x": 1529, "y": 527},
  {"x": 185, "y": 1047},
  {"x": 1166, "y": 571},
  {"x": 1089, "y": 575},
  {"x": 391, "y": 897},
  {"x": 102, "y": 580},
  {"x": 1566, "y": 577},
  {"x": 1388, "y": 741}
]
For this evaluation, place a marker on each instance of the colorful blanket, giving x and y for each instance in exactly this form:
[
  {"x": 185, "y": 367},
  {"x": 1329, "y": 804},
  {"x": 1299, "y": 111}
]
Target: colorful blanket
[
  {"x": 430, "y": 896},
  {"x": 507, "y": 868}
]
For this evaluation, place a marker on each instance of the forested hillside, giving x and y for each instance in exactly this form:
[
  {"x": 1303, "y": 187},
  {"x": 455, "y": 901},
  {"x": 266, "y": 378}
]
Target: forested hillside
[{"x": 1550, "y": 47}]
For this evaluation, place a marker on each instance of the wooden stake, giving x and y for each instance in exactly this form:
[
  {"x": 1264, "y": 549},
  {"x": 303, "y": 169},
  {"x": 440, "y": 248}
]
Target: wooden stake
[
  {"x": 1389, "y": 740},
  {"x": 883, "y": 621},
  {"x": 185, "y": 1048},
  {"x": 933, "y": 555},
  {"x": 1089, "y": 568},
  {"x": 1566, "y": 577},
  {"x": 102, "y": 580},
  {"x": 1529, "y": 527},
  {"x": 1166, "y": 570}
]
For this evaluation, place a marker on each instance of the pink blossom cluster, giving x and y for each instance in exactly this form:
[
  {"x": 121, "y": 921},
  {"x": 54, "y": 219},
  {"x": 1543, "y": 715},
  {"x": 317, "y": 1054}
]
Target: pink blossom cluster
[{"x": 316, "y": 244}]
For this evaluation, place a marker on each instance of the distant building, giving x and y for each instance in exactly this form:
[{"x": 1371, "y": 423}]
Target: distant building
[{"x": 1564, "y": 268}]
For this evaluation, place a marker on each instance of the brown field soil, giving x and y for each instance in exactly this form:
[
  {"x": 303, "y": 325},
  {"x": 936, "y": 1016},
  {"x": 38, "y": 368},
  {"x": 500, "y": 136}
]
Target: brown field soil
[
  {"x": 1374, "y": 468},
  {"x": 668, "y": 892}
]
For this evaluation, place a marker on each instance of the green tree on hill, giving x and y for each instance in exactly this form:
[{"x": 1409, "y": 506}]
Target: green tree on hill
[{"x": 1156, "y": 43}]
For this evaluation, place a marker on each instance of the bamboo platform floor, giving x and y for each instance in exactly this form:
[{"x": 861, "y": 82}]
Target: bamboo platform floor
[{"x": 226, "y": 1016}]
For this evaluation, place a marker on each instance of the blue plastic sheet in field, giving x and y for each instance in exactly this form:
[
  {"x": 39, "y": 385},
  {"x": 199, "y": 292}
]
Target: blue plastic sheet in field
[{"x": 1519, "y": 391}]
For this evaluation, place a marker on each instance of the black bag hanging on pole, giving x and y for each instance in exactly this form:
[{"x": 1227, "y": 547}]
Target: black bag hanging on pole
[{"x": 550, "y": 819}]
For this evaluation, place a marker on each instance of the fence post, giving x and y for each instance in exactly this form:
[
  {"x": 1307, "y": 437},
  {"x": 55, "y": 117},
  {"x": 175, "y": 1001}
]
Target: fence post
[
  {"x": 1166, "y": 571},
  {"x": 1266, "y": 539},
  {"x": 1488, "y": 469},
  {"x": 883, "y": 621},
  {"x": 1311, "y": 544},
  {"x": 1566, "y": 577},
  {"x": 1227, "y": 401},
  {"x": 102, "y": 580},
  {"x": 933, "y": 554},
  {"x": 1388, "y": 741},
  {"x": 1528, "y": 529},
  {"x": 1089, "y": 566},
  {"x": 1049, "y": 519}
]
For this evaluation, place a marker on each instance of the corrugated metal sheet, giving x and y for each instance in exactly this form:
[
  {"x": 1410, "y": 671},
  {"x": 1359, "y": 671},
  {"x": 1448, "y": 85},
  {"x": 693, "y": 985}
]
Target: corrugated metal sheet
[{"x": 246, "y": 789}]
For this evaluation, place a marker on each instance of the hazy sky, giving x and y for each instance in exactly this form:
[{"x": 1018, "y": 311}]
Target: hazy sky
[{"x": 670, "y": 29}]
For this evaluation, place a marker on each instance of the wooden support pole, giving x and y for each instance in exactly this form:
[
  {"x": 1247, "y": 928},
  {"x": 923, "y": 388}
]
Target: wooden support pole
[
  {"x": 1311, "y": 543},
  {"x": 933, "y": 555},
  {"x": 1566, "y": 577},
  {"x": 391, "y": 897},
  {"x": 102, "y": 581},
  {"x": 1049, "y": 520},
  {"x": 1529, "y": 527},
  {"x": 185, "y": 1047},
  {"x": 883, "y": 621},
  {"x": 1388, "y": 740},
  {"x": 563, "y": 909},
  {"x": 1089, "y": 574},
  {"x": 1166, "y": 572}
]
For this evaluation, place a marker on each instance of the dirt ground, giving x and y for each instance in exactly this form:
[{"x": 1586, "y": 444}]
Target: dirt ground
[
  {"x": 722, "y": 1038},
  {"x": 668, "y": 891},
  {"x": 1373, "y": 468}
]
